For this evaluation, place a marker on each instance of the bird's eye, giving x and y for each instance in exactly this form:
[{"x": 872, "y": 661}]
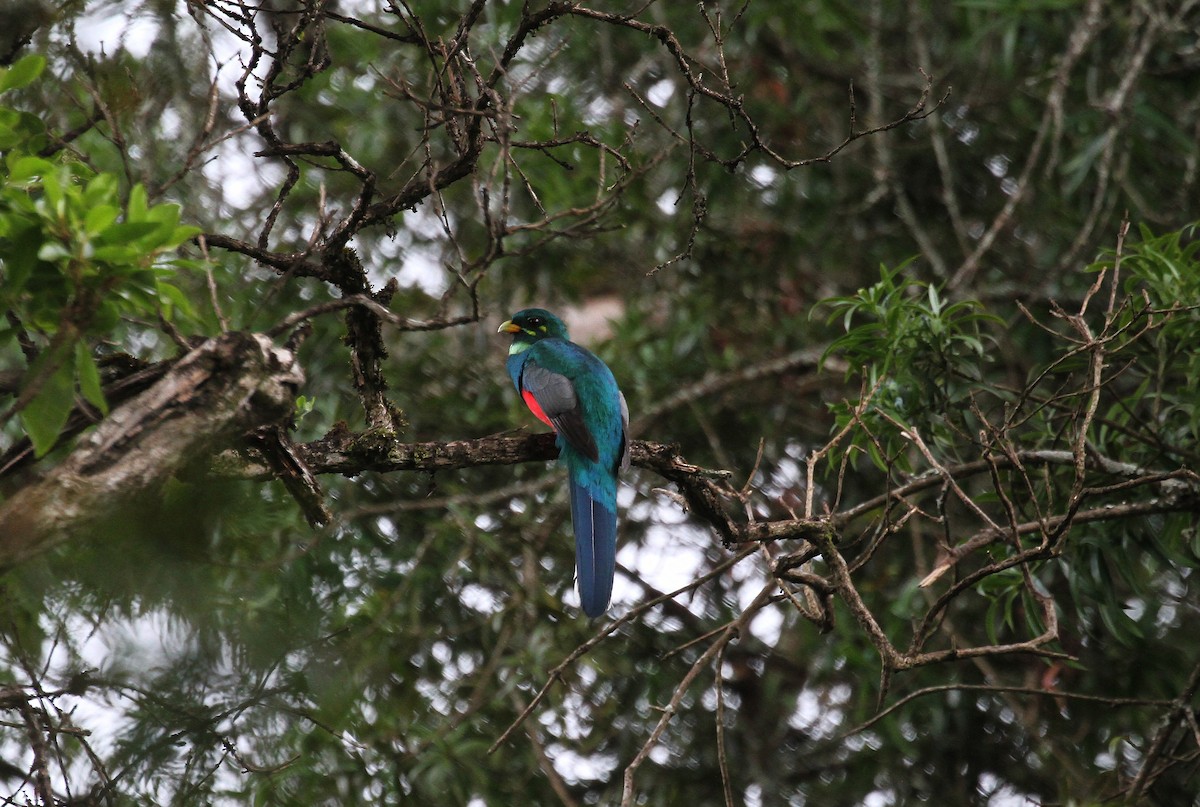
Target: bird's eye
[{"x": 535, "y": 321}]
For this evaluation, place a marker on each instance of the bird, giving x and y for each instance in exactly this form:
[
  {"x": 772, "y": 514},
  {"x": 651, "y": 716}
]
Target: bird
[{"x": 572, "y": 391}]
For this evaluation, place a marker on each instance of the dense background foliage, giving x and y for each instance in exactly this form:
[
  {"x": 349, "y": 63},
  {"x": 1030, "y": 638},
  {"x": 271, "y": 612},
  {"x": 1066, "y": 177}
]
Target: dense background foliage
[{"x": 905, "y": 299}]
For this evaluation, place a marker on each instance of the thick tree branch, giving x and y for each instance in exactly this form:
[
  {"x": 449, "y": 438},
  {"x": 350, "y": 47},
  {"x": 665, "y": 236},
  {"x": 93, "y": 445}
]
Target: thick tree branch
[
  {"x": 345, "y": 452},
  {"x": 224, "y": 387}
]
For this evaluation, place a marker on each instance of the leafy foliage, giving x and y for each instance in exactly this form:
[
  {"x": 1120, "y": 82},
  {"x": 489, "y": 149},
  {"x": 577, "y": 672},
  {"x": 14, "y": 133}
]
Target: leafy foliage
[
  {"x": 76, "y": 261},
  {"x": 920, "y": 355}
]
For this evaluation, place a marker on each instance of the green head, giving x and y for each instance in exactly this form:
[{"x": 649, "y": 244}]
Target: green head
[{"x": 532, "y": 325}]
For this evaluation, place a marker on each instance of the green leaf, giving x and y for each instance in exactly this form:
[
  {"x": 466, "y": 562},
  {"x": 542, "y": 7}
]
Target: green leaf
[
  {"x": 117, "y": 254},
  {"x": 180, "y": 235},
  {"x": 101, "y": 189},
  {"x": 23, "y": 73},
  {"x": 43, "y": 419},
  {"x": 100, "y": 217},
  {"x": 173, "y": 299},
  {"x": 88, "y": 376},
  {"x": 137, "y": 204},
  {"x": 26, "y": 168},
  {"x": 304, "y": 406},
  {"x": 52, "y": 205},
  {"x": 126, "y": 232},
  {"x": 167, "y": 213}
]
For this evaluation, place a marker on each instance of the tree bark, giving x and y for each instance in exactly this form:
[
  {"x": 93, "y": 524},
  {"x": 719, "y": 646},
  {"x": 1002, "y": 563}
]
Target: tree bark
[{"x": 221, "y": 389}]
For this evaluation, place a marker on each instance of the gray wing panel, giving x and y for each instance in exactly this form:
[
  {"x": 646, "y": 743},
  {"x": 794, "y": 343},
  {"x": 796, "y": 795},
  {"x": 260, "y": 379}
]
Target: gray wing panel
[{"x": 555, "y": 393}]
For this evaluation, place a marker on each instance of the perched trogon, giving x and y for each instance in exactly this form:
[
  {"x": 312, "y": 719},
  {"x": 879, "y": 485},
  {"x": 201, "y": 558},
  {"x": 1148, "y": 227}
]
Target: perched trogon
[{"x": 574, "y": 393}]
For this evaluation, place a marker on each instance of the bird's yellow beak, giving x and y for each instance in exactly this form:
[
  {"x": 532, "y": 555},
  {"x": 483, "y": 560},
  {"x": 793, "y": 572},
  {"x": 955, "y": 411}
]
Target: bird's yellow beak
[{"x": 508, "y": 327}]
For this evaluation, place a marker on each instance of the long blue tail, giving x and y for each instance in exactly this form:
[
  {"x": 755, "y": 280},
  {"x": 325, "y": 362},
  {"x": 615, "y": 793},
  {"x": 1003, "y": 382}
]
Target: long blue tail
[{"x": 595, "y": 549}]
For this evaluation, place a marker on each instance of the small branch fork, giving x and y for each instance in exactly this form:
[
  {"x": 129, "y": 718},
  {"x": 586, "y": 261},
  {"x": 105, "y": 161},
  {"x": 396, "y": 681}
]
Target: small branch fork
[{"x": 44, "y": 722}]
